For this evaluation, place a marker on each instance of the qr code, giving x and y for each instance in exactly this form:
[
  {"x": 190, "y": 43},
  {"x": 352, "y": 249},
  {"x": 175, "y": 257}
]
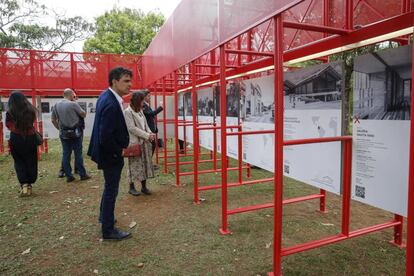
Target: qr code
[
  {"x": 359, "y": 191},
  {"x": 286, "y": 168}
]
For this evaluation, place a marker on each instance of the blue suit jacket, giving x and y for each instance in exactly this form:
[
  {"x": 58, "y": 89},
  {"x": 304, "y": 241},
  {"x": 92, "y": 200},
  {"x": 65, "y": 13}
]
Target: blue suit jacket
[{"x": 109, "y": 134}]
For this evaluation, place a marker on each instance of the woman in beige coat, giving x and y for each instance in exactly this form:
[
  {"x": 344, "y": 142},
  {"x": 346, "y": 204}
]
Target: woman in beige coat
[{"x": 140, "y": 168}]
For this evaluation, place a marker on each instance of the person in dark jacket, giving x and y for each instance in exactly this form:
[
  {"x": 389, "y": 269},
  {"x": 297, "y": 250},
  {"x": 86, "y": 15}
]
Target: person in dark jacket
[
  {"x": 109, "y": 137},
  {"x": 150, "y": 116},
  {"x": 19, "y": 120}
]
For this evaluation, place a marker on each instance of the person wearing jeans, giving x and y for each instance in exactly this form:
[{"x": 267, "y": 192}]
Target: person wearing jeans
[
  {"x": 65, "y": 117},
  {"x": 74, "y": 145}
]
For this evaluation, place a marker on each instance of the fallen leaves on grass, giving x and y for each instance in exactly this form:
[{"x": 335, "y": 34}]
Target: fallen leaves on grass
[
  {"x": 268, "y": 245},
  {"x": 141, "y": 265},
  {"x": 327, "y": 224},
  {"x": 27, "y": 251},
  {"x": 53, "y": 192}
]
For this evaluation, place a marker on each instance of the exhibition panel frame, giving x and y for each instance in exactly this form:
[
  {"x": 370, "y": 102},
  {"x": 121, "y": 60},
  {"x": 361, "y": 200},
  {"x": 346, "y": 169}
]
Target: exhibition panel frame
[{"x": 304, "y": 30}]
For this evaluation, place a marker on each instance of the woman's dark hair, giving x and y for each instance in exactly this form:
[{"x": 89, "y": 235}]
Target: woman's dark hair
[
  {"x": 22, "y": 111},
  {"x": 117, "y": 73},
  {"x": 137, "y": 98}
]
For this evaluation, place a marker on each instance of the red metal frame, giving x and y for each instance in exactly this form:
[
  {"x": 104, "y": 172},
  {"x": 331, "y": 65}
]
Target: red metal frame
[
  {"x": 259, "y": 47},
  {"x": 250, "y": 51},
  {"x": 43, "y": 73}
]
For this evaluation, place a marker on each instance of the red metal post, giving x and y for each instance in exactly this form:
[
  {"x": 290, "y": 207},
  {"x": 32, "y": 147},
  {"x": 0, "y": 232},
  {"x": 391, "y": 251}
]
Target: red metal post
[
  {"x": 195, "y": 131},
  {"x": 223, "y": 123},
  {"x": 278, "y": 132},
  {"x": 240, "y": 154},
  {"x": 322, "y": 201},
  {"x": 398, "y": 232},
  {"x": 215, "y": 148},
  {"x": 164, "y": 124},
  {"x": 326, "y": 8},
  {"x": 177, "y": 157},
  {"x": 33, "y": 85},
  {"x": 349, "y": 14},
  {"x": 249, "y": 44},
  {"x": 410, "y": 213}
]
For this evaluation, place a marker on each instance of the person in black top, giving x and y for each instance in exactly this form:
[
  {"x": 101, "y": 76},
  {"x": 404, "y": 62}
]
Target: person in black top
[
  {"x": 20, "y": 119},
  {"x": 150, "y": 116}
]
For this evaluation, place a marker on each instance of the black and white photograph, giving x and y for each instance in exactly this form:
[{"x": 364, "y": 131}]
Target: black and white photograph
[
  {"x": 382, "y": 85},
  {"x": 205, "y": 106},
  {"x": 257, "y": 100},
  {"x": 188, "y": 104},
  {"x": 45, "y": 107},
  {"x": 233, "y": 99},
  {"x": 314, "y": 87}
]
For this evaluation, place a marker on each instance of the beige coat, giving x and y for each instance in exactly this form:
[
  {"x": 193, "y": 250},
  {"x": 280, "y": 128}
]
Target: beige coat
[{"x": 138, "y": 128}]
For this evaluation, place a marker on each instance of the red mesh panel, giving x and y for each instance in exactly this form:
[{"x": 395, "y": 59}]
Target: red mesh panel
[
  {"x": 15, "y": 69},
  {"x": 52, "y": 70}
]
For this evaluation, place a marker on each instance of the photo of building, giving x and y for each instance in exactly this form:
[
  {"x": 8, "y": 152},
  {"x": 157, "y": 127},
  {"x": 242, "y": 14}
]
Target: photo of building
[
  {"x": 257, "y": 100},
  {"x": 314, "y": 87},
  {"x": 382, "y": 85}
]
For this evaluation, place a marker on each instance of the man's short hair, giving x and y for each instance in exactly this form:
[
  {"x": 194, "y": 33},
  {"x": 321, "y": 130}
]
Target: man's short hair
[
  {"x": 68, "y": 92},
  {"x": 146, "y": 92},
  {"x": 117, "y": 73}
]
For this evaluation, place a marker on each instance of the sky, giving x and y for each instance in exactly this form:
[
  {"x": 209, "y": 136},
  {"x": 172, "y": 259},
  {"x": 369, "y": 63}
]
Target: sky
[{"x": 93, "y": 8}]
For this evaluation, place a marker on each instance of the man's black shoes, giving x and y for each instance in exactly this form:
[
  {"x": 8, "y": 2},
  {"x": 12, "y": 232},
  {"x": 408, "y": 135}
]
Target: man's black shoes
[
  {"x": 70, "y": 179},
  {"x": 85, "y": 177},
  {"x": 116, "y": 235}
]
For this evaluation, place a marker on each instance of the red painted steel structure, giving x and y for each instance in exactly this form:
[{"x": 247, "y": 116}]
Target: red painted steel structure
[
  {"x": 307, "y": 28},
  {"x": 47, "y": 74}
]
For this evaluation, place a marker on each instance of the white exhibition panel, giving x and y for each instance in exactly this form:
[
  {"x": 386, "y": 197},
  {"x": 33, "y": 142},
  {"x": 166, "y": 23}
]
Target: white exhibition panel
[
  {"x": 381, "y": 125},
  {"x": 169, "y": 110},
  {"x": 318, "y": 165},
  {"x": 46, "y": 106}
]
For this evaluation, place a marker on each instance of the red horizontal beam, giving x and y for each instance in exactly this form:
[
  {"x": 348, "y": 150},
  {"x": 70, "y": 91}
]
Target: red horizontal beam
[
  {"x": 211, "y": 171},
  {"x": 249, "y": 53},
  {"x": 192, "y": 162},
  {"x": 197, "y": 74},
  {"x": 270, "y": 205},
  {"x": 236, "y": 184},
  {"x": 314, "y": 28},
  {"x": 215, "y": 65},
  {"x": 215, "y": 127},
  {"x": 318, "y": 243},
  {"x": 186, "y": 155},
  {"x": 316, "y": 140},
  {"x": 250, "y": 132}
]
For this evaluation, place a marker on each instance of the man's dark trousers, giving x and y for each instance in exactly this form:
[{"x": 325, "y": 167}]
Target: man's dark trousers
[{"x": 112, "y": 177}]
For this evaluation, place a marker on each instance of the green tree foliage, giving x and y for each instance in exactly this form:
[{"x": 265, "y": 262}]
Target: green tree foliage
[
  {"x": 20, "y": 26},
  {"x": 126, "y": 31}
]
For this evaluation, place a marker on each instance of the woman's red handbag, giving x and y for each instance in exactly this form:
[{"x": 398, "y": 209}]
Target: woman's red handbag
[{"x": 132, "y": 151}]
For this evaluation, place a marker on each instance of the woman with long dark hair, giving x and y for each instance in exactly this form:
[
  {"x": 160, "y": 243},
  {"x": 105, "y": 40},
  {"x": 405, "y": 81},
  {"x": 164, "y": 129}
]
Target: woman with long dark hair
[
  {"x": 140, "y": 168},
  {"x": 19, "y": 120}
]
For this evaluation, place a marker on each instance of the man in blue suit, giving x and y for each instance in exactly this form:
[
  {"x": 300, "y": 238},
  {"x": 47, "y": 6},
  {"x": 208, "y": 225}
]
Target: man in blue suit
[{"x": 109, "y": 137}]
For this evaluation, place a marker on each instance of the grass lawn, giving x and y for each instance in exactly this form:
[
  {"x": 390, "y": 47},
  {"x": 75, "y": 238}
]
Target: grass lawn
[{"x": 173, "y": 236}]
